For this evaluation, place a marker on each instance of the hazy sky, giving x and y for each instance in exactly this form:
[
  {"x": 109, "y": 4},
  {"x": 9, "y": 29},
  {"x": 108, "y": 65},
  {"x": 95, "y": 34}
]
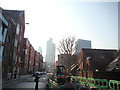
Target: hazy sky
[{"x": 95, "y": 21}]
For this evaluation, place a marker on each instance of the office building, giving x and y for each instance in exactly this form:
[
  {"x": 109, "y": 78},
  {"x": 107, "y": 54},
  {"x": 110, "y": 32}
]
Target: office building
[
  {"x": 80, "y": 43},
  {"x": 50, "y": 53},
  {"x": 39, "y": 50}
]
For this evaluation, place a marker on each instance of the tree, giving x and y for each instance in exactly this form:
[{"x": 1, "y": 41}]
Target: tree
[{"x": 66, "y": 46}]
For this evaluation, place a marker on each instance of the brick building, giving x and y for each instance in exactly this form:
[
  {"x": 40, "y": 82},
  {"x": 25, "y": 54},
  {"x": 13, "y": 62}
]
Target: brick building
[
  {"x": 67, "y": 60},
  {"x": 13, "y": 52},
  {"x": 27, "y": 56},
  {"x": 8, "y": 48},
  {"x": 3, "y": 31},
  {"x": 114, "y": 66},
  {"x": 36, "y": 62},
  {"x": 95, "y": 60},
  {"x": 31, "y": 58},
  {"x": 20, "y": 57},
  {"x": 41, "y": 63}
]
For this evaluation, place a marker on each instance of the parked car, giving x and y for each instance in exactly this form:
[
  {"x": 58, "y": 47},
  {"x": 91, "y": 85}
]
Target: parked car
[
  {"x": 44, "y": 72},
  {"x": 36, "y": 73},
  {"x": 41, "y": 73}
]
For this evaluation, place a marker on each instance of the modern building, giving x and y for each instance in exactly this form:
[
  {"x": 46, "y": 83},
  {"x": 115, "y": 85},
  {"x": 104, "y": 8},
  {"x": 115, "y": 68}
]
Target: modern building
[
  {"x": 80, "y": 43},
  {"x": 50, "y": 54},
  {"x": 39, "y": 50}
]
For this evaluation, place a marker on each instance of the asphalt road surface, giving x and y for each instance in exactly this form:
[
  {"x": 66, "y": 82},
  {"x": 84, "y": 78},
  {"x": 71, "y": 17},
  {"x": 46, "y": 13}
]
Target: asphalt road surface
[{"x": 28, "y": 83}]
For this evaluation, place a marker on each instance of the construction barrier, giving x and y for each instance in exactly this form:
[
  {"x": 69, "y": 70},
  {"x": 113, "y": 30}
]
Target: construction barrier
[
  {"x": 84, "y": 80},
  {"x": 101, "y": 83},
  {"x": 91, "y": 82},
  {"x": 54, "y": 85},
  {"x": 114, "y": 85},
  {"x": 52, "y": 77},
  {"x": 77, "y": 78}
]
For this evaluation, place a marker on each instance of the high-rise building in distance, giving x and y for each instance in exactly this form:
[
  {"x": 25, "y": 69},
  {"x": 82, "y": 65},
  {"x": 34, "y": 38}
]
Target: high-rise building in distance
[
  {"x": 50, "y": 53},
  {"x": 80, "y": 43},
  {"x": 39, "y": 50}
]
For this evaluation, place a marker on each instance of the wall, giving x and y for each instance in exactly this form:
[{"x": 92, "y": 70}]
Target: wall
[
  {"x": 107, "y": 75},
  {"x": 99, "y": 58}
]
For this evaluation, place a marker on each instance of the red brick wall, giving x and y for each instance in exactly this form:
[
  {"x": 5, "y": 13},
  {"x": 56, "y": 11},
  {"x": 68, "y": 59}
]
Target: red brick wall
[{"x": 99, "y": 58}]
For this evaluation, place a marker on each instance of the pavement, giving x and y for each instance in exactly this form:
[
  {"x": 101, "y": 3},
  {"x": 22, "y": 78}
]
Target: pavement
[
  {"x": 27, "y": 82},
  {"x": 7, "y": 82}
]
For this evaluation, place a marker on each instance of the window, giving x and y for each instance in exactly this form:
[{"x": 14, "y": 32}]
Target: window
[
  {"x": 18, "y": 28},
  {"x": 20, "y": 37},
  {"x": 26, "y": 51},
  {"x": 16, "y": 42},
  {"x": 18, "y": 48},
  {"x": 14, "y": 55}
]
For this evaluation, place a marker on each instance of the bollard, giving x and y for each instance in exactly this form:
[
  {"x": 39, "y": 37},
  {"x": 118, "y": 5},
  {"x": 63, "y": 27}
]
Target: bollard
[{"x": 36, "y": 80}]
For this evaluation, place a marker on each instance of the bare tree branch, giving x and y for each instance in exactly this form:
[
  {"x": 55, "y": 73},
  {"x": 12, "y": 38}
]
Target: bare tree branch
[{"x": 66, "y": 46}]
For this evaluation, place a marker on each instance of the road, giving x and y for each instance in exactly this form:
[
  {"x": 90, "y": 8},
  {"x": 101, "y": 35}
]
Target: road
[{"x": 28, "y": 83}]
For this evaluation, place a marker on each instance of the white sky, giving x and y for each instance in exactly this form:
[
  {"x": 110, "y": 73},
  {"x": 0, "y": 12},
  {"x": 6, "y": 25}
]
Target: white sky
[{"x": 95, "y": 21}]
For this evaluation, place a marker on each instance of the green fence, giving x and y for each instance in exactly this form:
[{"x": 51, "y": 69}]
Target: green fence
[
  {"x": 91, "y": 82},
  {"x": 114, "y": 85},
  {"x": 101, "y": 83},
  {"x": 84, "y": 80},
  {"x": 54, "y": 85},
  {"x": 77, "y": 78}
]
